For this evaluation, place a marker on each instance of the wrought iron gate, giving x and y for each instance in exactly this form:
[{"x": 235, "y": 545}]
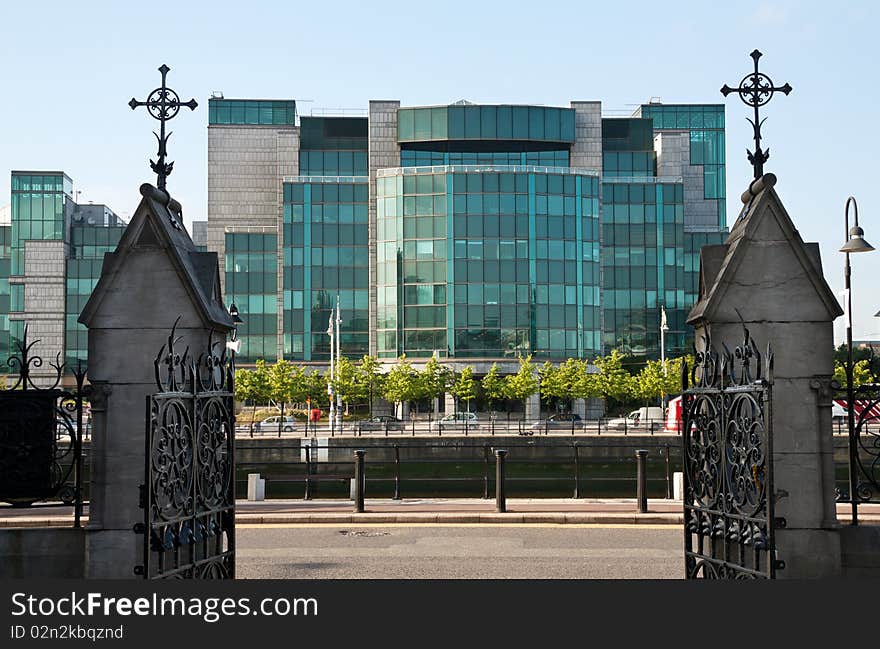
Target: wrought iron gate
[
  {"x": 728, "y": 469},
  {"x": 189, "y": 491},
  {"x": 41, "y": 431}
]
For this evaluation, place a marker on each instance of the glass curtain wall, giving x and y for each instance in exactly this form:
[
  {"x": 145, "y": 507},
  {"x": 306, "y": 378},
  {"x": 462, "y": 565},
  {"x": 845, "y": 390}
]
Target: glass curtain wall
[
  {"x": 643, "y": 265},
  {"x": 38, "y": 208},
  {"x": 251, "y": 112},
  {"x": 252, "y": 285},
  {"x": 87, "y": 248},
  {"x": 487, "y": 265},
  {"x": 706, "y": 126},
  {"x": 326, "y": 253}
]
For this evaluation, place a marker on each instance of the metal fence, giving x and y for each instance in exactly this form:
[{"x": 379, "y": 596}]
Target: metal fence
[
  {"x": 430, "y": 425},
  {"x": 396, "y": 470}
]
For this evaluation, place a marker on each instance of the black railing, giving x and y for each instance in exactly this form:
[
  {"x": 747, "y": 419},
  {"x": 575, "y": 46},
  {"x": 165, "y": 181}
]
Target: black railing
[
  {"x": 460, "y": 470},
  {"x": 483, "y": 425},
  {"x": 41, "y": 432}
]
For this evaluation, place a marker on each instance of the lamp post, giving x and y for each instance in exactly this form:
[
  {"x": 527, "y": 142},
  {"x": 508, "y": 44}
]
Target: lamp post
[
  {"x": 855, "y": 243},
  {"x": 338, "y": 426},
  {"x": 664, "y": 327},
  {"x": 332, "y": 377},
  {"x": 234, "y": 343}
]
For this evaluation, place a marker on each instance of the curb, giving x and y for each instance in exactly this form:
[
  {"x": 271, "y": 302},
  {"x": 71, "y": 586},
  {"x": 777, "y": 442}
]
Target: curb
[{"x": 429, "y": 518}]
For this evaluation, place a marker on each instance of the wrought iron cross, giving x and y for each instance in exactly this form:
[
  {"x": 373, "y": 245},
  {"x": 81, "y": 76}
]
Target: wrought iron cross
[
  {"x": 755, "y": 90},
  {"x": 163, "y": 104}
]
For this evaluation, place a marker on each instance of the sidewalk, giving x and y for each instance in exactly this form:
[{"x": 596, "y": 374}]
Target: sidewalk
[{"x": 560, "y": 511}]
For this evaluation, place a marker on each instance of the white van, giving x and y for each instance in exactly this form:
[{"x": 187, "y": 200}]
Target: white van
[{"x": 644, "y": 417}]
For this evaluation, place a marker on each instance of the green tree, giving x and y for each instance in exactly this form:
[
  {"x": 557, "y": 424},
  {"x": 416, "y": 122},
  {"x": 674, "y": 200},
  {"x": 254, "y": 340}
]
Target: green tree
[
  {"x": 435, "y": 379},
  {"x": 550, "y": 383},
  {"x": 861, "y": 373},
  {"x": 369, "y": 378},
  {"x": 493, "y": 386},
  {"x": 656, "y": 380},
  {"x": 464, "y": 387},
  {"x": 281, "y": 385},
  {"x": 345, "y": 383},
  {"x": 524, "y": 383},
  {"x": 613, "y": 382},
  {"x": 315, "y": 389},
  {"x": 401, "y": 382},
  {"x": 563, "y": 383},
  {"x": 253, "y": 386}
]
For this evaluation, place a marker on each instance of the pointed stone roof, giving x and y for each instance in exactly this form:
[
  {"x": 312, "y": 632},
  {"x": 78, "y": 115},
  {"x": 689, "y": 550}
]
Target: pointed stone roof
[
  {"x": 158, "y": 223},
  {"x": 763, "y": 259}
]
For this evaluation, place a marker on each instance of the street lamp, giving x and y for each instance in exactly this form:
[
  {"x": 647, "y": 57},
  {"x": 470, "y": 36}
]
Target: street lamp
[
  {"x": 663, "y": 329},
  {"x": 855, "y": 243},
  {"x": 234, "y": 343}
]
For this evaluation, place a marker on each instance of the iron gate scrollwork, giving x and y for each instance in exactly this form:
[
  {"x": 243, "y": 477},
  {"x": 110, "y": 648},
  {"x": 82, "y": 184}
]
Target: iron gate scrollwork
[
  {"x": 728, "y": 469},
  {"x": 41, "y": 428},
  {"x": 864, "y": 462},
  {"x": 189, "y": 492}
]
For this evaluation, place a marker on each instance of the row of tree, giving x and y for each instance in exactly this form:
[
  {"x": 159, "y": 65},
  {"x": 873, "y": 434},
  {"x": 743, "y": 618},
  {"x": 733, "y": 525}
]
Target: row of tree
[{"x": 363, "y": 382}]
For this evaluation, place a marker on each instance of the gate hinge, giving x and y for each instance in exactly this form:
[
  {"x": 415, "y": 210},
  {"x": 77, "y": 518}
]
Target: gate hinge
[
  {"x": 779, "y": 522},
  {"x": 139, "y": 570},
  {"x": 142, "y": 496},
  {"x": 139, "y": 528}
]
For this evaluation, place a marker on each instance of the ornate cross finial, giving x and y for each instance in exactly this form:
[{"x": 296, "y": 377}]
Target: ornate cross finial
[
  {"x": 755, "y": 90},
  {"x": 163, "y": 104}
]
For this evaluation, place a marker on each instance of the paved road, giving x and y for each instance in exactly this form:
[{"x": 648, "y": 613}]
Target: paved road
[{"x": 458, "y": 552}]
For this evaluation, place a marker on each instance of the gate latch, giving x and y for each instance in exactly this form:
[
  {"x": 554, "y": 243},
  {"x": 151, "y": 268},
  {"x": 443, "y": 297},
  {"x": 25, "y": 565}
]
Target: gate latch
[{"x": 778, "y": 564}]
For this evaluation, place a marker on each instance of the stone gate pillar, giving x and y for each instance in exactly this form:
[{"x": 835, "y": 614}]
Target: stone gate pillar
[
  {"x": 764, "y": 277},
  {"x": 153, "y": 278}
]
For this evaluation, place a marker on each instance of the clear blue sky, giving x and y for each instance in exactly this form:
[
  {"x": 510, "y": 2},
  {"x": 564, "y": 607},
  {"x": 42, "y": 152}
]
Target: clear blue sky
[{"x": 69, "y": 68}]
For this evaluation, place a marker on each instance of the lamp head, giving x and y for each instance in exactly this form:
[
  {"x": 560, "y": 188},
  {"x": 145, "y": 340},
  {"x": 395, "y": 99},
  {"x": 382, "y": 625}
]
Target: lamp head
[
  {"x": 856, "y": 241},
  {"x": 233, "y": 311}
]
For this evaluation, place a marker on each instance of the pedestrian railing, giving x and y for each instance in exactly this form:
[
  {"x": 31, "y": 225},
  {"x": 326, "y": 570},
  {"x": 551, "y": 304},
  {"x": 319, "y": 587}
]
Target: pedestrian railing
[
  {"x": 398, "y": 470},
  {"x": 430, "y": 425}
]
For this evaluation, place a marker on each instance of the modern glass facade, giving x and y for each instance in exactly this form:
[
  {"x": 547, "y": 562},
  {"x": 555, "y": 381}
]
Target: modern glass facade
[
  {"x": 705, "y": 125},
  {"x": 326, "y": 254},
  {"x": 251, "y": 112},
  {"x": 76, "y": 238},
  {"x": 88, "y": 243},
  {"x": 643, "y": 265},
  {"x": 38, "y": 207},
  {"x": 472, "y": 262},
  {"x": 251, "y": 267},
  {"x": 499, "y": 230},
  {"x": 491, "y": 123}
]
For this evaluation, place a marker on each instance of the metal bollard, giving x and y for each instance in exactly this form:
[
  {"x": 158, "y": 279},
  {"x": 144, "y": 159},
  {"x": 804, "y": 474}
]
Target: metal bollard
[
  {"x": 577, "y": 472},
  {"x": 308, "y": 494},
  {"x": 359, "y": 481},
  {"x": 500, "y": 498},
  {"x": 486, "y": 471},
  {"x": 642, "y": 481},
  {"x": 396, "y": 473},
  {"x": 668, "y": 474}
]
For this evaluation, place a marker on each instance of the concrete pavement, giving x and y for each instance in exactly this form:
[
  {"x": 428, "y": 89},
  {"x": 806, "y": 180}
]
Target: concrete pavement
[{"x": 615, "y": 511}]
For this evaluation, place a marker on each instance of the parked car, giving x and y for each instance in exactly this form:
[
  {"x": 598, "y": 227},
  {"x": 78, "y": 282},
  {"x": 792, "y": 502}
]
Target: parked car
[
  {"x": 381, "y": 422},
  {"x": 645, "y": 417},
  {"x": 456, "y": 422},
  {"x": 564, "y": 421},
  {"x": 271, "y": 424}
]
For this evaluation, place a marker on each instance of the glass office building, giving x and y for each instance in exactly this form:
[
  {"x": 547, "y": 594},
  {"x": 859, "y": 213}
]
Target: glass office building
[
  {"x": 472, "y": 232},
  {"x": 51, "y": 254}
]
